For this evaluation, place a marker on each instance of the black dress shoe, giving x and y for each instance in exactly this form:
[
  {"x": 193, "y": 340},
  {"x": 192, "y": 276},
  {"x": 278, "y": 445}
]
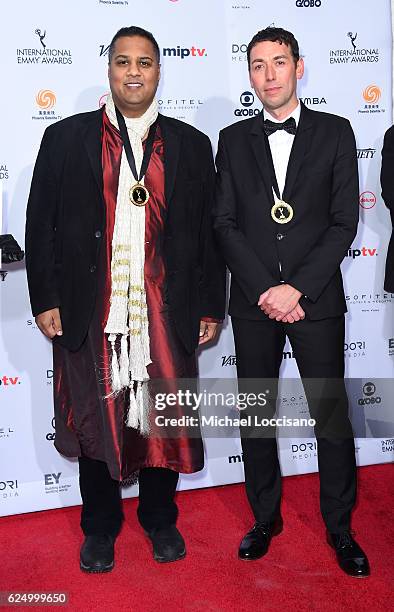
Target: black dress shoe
[
  {"x": 97, "y": 554},
  {"x": 256, "y": 542},
  {"x": 351, "y": 558},
  {"x": 168, "y": 544}
]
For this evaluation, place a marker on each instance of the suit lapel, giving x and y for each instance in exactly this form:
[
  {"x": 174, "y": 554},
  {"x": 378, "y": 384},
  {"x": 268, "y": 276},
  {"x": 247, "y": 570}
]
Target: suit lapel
[
  {"x": 257, "y": 142},
  {"x": 172, "y": 145},
  {"x": 299, "y": 149},
  {"x": 91, "y": 135}
]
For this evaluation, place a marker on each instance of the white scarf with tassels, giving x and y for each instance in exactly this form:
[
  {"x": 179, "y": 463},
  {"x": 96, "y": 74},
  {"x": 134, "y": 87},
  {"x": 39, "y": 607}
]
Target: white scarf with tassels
[{"x": 128, "y": 316}]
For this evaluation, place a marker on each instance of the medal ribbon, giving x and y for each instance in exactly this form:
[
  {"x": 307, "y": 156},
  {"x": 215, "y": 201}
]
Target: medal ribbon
[{"x": 129, "y": 150}]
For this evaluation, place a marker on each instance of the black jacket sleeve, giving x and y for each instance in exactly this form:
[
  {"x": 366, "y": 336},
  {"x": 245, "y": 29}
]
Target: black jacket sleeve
[
  {"x": 40, "y": 230},
  {"x": 242, "y": 261},
  {"x": 323, "y": 261}
]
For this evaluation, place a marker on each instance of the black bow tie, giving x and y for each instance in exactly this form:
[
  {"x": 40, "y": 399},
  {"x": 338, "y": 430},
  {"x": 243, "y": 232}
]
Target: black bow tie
[{"x": 290, "y": 126}]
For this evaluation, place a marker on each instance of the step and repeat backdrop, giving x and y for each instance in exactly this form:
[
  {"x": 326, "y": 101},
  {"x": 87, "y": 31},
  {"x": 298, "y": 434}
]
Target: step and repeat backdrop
[{"x": 54, "y": 64}]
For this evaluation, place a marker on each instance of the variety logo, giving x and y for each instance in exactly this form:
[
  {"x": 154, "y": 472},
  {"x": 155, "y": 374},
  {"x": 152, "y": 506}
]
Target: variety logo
[
  {"x": 353, "y": 54},
  {"x": 371, "y": 95},
  {"x": 363, "y": 252},
  {"x": 366, "y": 153},
  {"x": 4, "y": 174},
  {"x": 367, "y": 200},
  {"x": 3, "y": 274},
  {"x": 43, "y": 54},
  {"x": 46, "y": 100},
  {"x": 369, "y": 390},
  {"x": 315, "y": 101},
  {"x": 308, "y": 3},
  {"x": 247, "y": 100},
  {"x": 9, "y": 381}
]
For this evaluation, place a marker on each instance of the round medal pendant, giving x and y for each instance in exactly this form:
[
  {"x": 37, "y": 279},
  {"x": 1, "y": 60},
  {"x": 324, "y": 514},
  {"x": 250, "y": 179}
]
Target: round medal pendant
[
  {"x": 282, "y": 212},
  {"x": 139, "y": 195}
]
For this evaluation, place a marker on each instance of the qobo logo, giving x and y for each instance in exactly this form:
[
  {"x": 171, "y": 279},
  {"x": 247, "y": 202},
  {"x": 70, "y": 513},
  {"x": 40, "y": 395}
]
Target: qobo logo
[
  {"x": 367, "y": 200},
  {"x": 247, "y": 99},
  {"x": 369, "y": 390},
  {"x": 51, "y": 436},
  {"x": 308, "y": 3}
]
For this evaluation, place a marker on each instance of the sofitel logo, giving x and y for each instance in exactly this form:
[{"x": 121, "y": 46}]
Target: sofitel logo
[{"x": 43, "y": 54}]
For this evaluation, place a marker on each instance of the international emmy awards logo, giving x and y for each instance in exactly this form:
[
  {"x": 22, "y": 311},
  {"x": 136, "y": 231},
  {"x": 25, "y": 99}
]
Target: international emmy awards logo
[
  {"x": 352, "y": 38},
  {"x": 41, "y": 37}
]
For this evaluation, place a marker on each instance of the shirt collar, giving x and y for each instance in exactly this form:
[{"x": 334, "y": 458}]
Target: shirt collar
[{"x": 296, "y": 114}]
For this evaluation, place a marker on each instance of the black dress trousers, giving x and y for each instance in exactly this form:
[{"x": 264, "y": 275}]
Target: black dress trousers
[{"x": 318, "y": 349}]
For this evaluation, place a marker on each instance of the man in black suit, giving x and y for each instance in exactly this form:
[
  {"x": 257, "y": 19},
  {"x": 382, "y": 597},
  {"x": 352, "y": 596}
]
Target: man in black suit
[
  {"x": 285, "y": 216},
  {"x": 125, "y": 278},
  {"x": 387, "y": 183}
]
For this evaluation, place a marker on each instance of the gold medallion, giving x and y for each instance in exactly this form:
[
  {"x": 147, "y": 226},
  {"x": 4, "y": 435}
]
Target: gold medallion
[
  {"x": 282, "y": 212},
  {"x": 139, "y": 195}
]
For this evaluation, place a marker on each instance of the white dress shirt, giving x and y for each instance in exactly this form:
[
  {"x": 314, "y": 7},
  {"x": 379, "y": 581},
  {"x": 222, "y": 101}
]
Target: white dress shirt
[{"x": 280, "y": 144}]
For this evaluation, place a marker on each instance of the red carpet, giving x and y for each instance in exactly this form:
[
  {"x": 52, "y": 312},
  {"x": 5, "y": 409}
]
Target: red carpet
[{"x": 40, "y": 553}]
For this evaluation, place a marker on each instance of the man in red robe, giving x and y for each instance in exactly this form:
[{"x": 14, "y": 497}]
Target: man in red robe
[{"x": 125, "y": 291}]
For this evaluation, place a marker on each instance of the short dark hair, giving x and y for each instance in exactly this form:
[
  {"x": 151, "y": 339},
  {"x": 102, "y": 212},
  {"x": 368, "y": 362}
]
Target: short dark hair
[
  {"x": 133, "y": 31},
  {"x": 284, "y": 37}
]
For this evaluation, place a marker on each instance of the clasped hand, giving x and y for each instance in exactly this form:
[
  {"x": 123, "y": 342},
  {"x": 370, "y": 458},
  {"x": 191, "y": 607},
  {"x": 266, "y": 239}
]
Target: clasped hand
[{"x": 282, "y": 303}]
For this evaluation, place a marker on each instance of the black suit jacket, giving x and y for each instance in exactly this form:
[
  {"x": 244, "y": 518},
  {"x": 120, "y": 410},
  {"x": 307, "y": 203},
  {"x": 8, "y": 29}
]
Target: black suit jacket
[
  {"x": 322, "y": 187},
  {"x": 387, "y": 183},
  {"x": 66, "y": 221}
]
